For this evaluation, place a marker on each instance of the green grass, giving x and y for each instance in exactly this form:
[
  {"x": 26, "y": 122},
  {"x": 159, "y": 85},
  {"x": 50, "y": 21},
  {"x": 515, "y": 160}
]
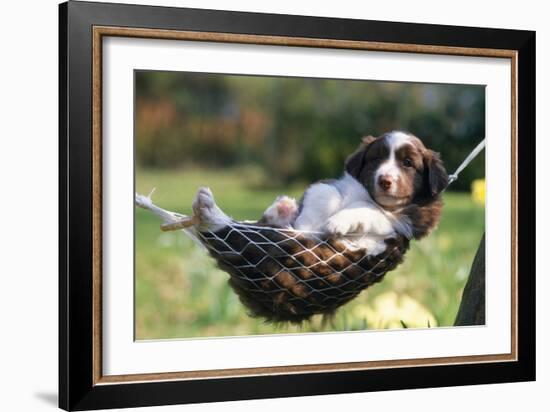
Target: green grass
[{"x": 180, "y": 293}]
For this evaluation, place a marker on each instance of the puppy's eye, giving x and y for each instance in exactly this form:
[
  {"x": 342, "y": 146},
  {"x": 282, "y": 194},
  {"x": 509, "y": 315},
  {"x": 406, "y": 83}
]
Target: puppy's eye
[{"x": 407, "y": 162}]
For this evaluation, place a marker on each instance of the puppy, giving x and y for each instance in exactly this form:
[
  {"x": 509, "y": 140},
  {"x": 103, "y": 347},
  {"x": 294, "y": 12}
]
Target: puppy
[{"x": 391, "y": 185}]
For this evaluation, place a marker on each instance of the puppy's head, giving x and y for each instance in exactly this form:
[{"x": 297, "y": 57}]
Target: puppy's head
[{"x": 397, "y": 169}]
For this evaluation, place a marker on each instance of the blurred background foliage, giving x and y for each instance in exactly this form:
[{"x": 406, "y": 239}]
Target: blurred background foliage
[
  {"x": 252, "y": 138},
  {"x": 297, "y": 129}
]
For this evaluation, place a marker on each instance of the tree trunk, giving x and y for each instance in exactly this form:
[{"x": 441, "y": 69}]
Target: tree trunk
[{"x": 472, "y": 306}]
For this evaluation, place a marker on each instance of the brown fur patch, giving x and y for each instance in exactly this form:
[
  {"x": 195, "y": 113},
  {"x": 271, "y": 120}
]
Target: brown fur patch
[{"x": 424, "y": 218}]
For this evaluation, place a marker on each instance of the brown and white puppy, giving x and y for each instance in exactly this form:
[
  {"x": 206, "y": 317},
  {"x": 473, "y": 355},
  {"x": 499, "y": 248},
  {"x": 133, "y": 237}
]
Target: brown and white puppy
[
  {"x": 402, "y": 176},
  {"x": 391, "y": 184}
]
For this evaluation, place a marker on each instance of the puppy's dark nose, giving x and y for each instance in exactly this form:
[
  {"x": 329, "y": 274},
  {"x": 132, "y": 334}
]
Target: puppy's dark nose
[{"x": 385, "y": 182}]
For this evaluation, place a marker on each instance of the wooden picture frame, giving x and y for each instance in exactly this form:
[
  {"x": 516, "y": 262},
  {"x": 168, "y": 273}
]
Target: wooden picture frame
[{"x": 83, "y": 26}]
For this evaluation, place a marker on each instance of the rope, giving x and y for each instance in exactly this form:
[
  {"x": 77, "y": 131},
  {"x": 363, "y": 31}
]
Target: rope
[{"x": 466, "y": 161}]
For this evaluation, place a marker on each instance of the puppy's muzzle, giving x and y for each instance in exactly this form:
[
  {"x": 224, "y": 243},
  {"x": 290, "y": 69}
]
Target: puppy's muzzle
[{"x": 385, "y": 182}]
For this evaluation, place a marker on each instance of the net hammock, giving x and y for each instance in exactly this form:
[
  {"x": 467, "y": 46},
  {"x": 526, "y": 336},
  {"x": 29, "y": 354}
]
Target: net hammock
[{"x": 286, "y": 274}]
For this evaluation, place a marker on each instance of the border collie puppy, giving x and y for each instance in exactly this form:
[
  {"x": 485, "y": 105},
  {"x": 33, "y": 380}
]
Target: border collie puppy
[{"x": 391, "y": 186}]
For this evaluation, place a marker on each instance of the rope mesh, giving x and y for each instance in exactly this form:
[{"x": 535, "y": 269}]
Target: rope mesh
[{"x": 288, "y": 275}]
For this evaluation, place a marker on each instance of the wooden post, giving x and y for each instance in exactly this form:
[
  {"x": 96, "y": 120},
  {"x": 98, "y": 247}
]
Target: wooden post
[{"x": 472, "y": 306}]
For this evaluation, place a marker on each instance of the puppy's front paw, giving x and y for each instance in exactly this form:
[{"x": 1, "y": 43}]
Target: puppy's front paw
[
  {"x": 339, "y": 226},
  {"x": 204, "y": 205},
  {"x": 380, "y": 227}
]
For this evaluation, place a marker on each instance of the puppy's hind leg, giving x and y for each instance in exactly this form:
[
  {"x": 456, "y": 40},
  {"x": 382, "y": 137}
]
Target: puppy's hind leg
[
  {"x": 281, "y": 213},
  {"x": 210, "y": 215}
]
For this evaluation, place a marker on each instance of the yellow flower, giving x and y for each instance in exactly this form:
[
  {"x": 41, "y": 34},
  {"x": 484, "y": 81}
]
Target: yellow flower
[
  {"x": 478, "y": 191},
  {"x": 391, "y": 310}
]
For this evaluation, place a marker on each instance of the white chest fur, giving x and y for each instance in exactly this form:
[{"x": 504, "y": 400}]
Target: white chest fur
[{"x": 345, "y": 208}]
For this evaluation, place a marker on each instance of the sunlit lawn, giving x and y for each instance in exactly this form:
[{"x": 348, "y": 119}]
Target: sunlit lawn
[{"x": 180, "y": 292}]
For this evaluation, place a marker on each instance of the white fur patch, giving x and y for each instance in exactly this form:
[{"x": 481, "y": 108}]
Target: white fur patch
[
  {"x": 397, "y": 139},
  {"x": 390, "y": 168},
  {"x": 320, "y": 201},
  {"x": 345, "y": 208},
  {"x": 362, "y": 218}
]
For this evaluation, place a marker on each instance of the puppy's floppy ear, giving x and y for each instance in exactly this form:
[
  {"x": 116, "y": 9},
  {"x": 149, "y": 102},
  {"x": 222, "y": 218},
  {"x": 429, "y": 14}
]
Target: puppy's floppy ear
[
  {"x": 437, "y": 175},
  {"x": 355, "y": 162},
  {"x": 368, "y": 140}
]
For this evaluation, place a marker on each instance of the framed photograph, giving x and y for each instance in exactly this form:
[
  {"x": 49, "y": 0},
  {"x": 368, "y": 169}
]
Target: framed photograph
[{"x": 256, "y": 206}]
